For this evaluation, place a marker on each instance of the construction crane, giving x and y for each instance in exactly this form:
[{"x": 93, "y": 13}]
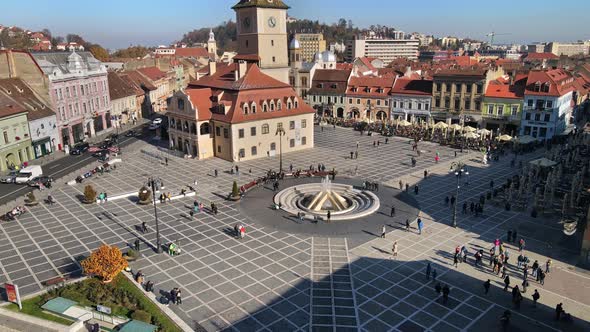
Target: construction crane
[{"x": 493, "y": 34}]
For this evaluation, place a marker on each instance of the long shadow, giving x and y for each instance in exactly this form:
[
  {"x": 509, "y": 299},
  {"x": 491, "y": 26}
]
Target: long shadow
[
  {"x": 112, "y": 217},
  {"x": 353, "y": 296}
]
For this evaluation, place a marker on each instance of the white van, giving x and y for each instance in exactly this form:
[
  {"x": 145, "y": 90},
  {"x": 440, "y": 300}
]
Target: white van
[{"x": 28, "y": 173}]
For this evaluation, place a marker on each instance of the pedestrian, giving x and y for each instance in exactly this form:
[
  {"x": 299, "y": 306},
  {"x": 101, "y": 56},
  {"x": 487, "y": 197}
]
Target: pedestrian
[
  {"x": 136, "y": 245},
  {"x": 548, "y": 265},
  {"x": 105, "y": 196},
  {"x": 536, "y": 297},
  {"x": 521, "y": 244},
  {"x": 328, "y": 215},
  {"x": 173, "y": 295},
  {"x": 486, "y": 286},
  {"x": 394, "y": 250},
  {"x": 356, "y": 155},
  {"x": 425, "y": 174},
  {"x": 407, "y": 187},
  {"x": 420, "y": 225},
  {"x": 471, "y": 207},
  {"x": 169, "y": 197},
  {"x": 438, "y": 288},
  {"x": 413, "y": 162},
  {"x": 541, "y": 275},
  {"x": 407, "y": 225},
  {"x": 434, "y": 274},
  {"x": 535, "y": 269},
  {"x": 351, "y": 157},
  {"x": 144, "y": 227},
  {"x": 516, "y": 297},
  {"x": 178, "y": 297},
  {"x": 453, "y": 200},
  {"x": 525, "y": 284},
  {"x": 401, "y": 185},
  {"x": 456, "y": 260},
  {"x": 465, "y": 208},
  {"x": 428, "y": 269},
  {"x": 392, "y": 212},
  {"x": 519, "y": 260},
  {"x": 525, "y": 272},
  {"x": 416, "y": 189},
  {"x": 383, "y": 231},
  {"x": 447, "y": 201},
  {"x": 558, "y": 311},
  {"x": 166, "y": 160},
  {"x": 374, "y": 143},
  {"x": 514, "y": 235},
  {"x": 445, "y": 290},
  {"x": 506, "y": 283},
  {"x": 215, "y": 172}
]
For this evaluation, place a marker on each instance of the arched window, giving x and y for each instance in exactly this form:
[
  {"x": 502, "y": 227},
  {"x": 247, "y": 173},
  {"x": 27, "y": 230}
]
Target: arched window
[
  {"x": 272, "y": 105},
  {"x": 253, "y": 108},
  {"x": 246, "y": 109},
  {"x": 205, "y": 130},
  {"x": 279, "y": 105},
  {"x": 185, "y": 126},
  {"x": 253, "y": 151},
  {"x": 296, "y": 103},
  {"x": 289, "y": 104},
  {"x": 264, "y": 108},
  {"x": 181, "y": 104}
]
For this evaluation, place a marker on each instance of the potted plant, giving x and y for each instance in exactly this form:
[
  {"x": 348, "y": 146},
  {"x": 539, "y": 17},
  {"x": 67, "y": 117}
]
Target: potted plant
[
  {"x": 235, "y": 192},
  {"x": 89, "y": 195},
  {"x": 145, "y": 196},
  {"x": 30, "y": 199}
]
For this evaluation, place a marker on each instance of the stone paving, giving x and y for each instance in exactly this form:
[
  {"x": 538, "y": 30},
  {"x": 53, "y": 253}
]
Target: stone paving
[{"x": 278, "y": 281}]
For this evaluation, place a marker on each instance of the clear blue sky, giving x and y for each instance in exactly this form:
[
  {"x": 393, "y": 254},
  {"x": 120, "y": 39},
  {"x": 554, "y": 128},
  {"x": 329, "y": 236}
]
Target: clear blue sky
[{"x": 119, "y": 23}]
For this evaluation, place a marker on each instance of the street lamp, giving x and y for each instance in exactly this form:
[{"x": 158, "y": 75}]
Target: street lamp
[
  {"x": 281, "y": 133},
  {"x": 457, "y": 168},
  {"x": 152, "y": 182}
]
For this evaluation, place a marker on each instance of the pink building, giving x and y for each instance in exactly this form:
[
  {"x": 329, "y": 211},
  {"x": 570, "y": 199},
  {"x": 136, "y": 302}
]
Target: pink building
[{"x": 79, "y": 92}]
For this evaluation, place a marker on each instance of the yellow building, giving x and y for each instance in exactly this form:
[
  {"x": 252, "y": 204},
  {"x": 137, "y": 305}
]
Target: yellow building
[{"x": 310, "y": 44}]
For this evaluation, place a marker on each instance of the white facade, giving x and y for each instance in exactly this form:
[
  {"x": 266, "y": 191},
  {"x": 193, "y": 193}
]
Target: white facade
[
  {"x": 409, "y": 107},
  {"x": 44, "y": 135},
  {"x": 546, "y": 116},
  {"x": 121, "y": 109},
  {"x": 384, "y": 49}
]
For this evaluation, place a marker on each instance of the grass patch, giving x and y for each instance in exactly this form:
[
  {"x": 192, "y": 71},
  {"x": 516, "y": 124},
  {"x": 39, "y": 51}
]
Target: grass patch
[
  {"x": 32, "y": 307},
  {"x": 121, "y": 295}
]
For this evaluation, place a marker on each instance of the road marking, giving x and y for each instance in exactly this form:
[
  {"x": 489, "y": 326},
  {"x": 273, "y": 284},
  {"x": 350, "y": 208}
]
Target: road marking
[
  {"x": 14, "y": 191},
  {"x": 73, "y": 165}
]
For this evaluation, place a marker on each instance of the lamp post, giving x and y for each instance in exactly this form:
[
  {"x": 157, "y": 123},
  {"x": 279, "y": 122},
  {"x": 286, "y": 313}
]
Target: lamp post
[
  {"x": 457, "y": 168},
  {"x": 281, "y": 133},
  {"x": 152, "y": 182}
]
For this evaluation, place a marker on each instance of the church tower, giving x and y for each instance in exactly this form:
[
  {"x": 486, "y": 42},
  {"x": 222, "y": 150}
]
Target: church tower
[
  {"x": 262, "y": 35},
  {"x": 212, "y": 44}
]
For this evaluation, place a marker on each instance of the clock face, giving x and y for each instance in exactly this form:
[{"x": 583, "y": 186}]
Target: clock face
[
  {"x": 246, "y": 22},
  {"x": 272, "y": 21}
]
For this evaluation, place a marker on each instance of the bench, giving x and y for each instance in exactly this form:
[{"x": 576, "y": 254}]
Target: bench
[{"x": 54, "y": 281}]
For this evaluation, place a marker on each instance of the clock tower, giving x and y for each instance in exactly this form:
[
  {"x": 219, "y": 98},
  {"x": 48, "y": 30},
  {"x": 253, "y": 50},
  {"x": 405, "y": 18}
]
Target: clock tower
[{"x": 262, "y": 32}]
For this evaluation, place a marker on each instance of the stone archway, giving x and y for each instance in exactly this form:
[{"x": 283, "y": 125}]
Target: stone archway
[
  {"x": 381, "y": 115},
  {"x": 340, "y": 112}
]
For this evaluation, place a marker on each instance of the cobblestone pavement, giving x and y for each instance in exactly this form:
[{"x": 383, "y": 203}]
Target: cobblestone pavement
[{"x": 276, "y": 281}]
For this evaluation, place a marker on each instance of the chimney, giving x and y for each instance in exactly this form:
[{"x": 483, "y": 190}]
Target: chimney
[
  {"x": 242, "y": 68},
  {"x": 212, "y": 67}
]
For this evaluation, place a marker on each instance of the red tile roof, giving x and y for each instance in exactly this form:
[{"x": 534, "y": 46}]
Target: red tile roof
[
  {"x": 224, "y": 78},
  {"x": 20, "y": 92},
  {"x": 140, "y": 80},
  {"x": 9, "y": 107},
  {"x": 329, "y": 82},
  {"x": 372, "y": 83},
  {"x": 195, "y": 52},
  {"x": 246, "y": 57},
  {"x": 201, "y": 100},
  {"x": 407, "y": 86},
  {"x": 559, "y": 80},
  {"x": 153, "y": 73},
  {"x": 540, "y": 56},
  {"x": 118, "y": 87}
]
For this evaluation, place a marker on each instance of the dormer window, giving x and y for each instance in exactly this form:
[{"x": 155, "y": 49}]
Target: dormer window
[
  {"x": 545, "y": 87},
  {"x": 320, "y": 85},
  {"x": 272, "y": 105},
  {"x": 537, "y": 87},
  {"x": 296, "y": 103},
  {"x": 333, "y": 86},
  {"x": 246, "y": 109},
  {"x": 354, "y": 89},
  {"x": 367, "y": 89},
  {"x": 264, "y": 107},
  {"x": 279, "y": 105},
  {"x": 289, "y": 104},
  {"x": 379, "y": 90},
  {"x": 253, "y": 108}
]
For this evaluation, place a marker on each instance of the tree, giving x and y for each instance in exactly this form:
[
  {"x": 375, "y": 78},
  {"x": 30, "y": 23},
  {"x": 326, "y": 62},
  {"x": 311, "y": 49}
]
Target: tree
[
  {"x": 56, "y": 40},
  {"x": 105, "y": 262},
  {"x": 89, "y": 194},
  {"x": 71, "y": 37},
  {"x": 99, "y": 52},
  {"x": 131, "y": 52},
  {"x": 234, "y": 190},
  {"x": 46, "y": 32}
]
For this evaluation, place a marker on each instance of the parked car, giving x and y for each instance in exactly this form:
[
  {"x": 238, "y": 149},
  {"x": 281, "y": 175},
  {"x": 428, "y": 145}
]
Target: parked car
[
  {"x": 154, "y": 126},
  {"x": 79, "y": 148},
  {"x": 28, "y": 173},
  {"x": 106, "y": 144},
  {"x": 113, "y": 138},
  {"x": 101, "y": 153},
  {"x": 45, "y": 180},
  {"x": 157, "y": 121},
  {"x": 9, "y": 178},
  {"x": 131, "y": 133}
]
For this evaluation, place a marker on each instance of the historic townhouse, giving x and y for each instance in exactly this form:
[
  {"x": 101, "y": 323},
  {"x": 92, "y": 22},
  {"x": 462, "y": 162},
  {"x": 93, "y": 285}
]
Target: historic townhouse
[
  {"x": 411, "y": 99},
  {"x": 368, "y": 98},
  {"x": 79, "y": 94},
  {"x": 502, "y": 105},
  {"x": 547, "y": 103},
  {"x": 328, "y": 93}
]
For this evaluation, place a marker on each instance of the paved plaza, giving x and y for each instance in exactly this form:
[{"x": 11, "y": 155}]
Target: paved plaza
[{"x": 277, "y": 280}]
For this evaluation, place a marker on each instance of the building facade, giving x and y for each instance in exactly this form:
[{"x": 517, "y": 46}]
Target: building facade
[
  {"x": 161, "y": 81},
  {"x": 310, "y": 43},
  {"x": 502, "y": 105},
  {"x": 384, "y": 49},
  {"x": 123, "y": 100},
  {"x": 79, "y": 94},
  {"x": 327, "y": 94},
  {"x": 411, "y": 99},
  {"x": 368, "y": 98},
  {"x": 15, "y": 147},
  {"x": 547, "y": 103}
]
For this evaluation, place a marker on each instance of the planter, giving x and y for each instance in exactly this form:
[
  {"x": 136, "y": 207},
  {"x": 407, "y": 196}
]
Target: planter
[
  {"x": 146, "y": 202},
  {"x": 31, "y": 203},
  {"x": 89, "y": 202},
  {"x": 234, "y": 198}
]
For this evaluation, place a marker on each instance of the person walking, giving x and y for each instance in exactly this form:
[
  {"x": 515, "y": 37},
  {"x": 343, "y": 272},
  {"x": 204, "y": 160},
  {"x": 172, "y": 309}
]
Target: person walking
[
  {"x": 434, "y": 274},
  {"x": 447, "y": 201},
  {"x": 520, "y": 260},
  {"x": 136, "y": 245},
  {"x": 446, "y": 290},
  {"x": 416, "y": 189},
  {"x": 407, "y": 187},
  {"x": 392, "y": 212},
  {"x": 465, "y": 208},
  {"x": 536, "y": 297},
  {"x": 525, "y": 284},
  {"x": 401, "y": 185},
  {"x": 144, "y": 228},
  {"x": 166, "y": 160},
  {"x": 541, "y": 275},
  {"x": 558, "y": 311},
  {"x": 548, "y": 265},
  {"x": 486, "y": 286},
  {"x": 383, "y": 231},
  {"x": 521, "y": 244},
  {"x": 504, "y": 271},
  {"x": 407, "y": 225},
  {"x": 425, "y": 174},
  {"x": 456, "y": 260},
  {"x": 438, "y": 288},
  {"x": 428, "y": 269},
  {"x": 506, "y": 283},
  {"x": 328, "y": 216},
  {"x": 420, "y": 226},
  {"x": 178, "y": 296},
  {"x": 535, "y": 269},
  {"x": 394, "y": 250}
]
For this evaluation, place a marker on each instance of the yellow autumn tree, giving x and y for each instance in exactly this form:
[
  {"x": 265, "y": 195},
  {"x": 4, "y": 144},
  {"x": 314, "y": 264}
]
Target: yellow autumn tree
[{"x": 105, "y": 262}]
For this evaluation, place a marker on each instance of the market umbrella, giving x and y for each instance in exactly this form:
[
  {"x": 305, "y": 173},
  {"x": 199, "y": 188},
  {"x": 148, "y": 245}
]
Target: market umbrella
[
  {"x": 441, "y": 125},
  {"x": 470, "y": 135},
  {"x": 485, "y": 132},
  {"x": 469, "y": 129},
  {"x": 405, "y": 123},
  {"x": 543, "y": 162},
  {"x": 505, "y": 138},
  {"x": 525, "y": 139},
  {"x": 455, "y": 127}
]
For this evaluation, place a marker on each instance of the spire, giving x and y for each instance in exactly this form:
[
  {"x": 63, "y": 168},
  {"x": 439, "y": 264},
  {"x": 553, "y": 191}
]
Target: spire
[{"x": 211, "y": 35}]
